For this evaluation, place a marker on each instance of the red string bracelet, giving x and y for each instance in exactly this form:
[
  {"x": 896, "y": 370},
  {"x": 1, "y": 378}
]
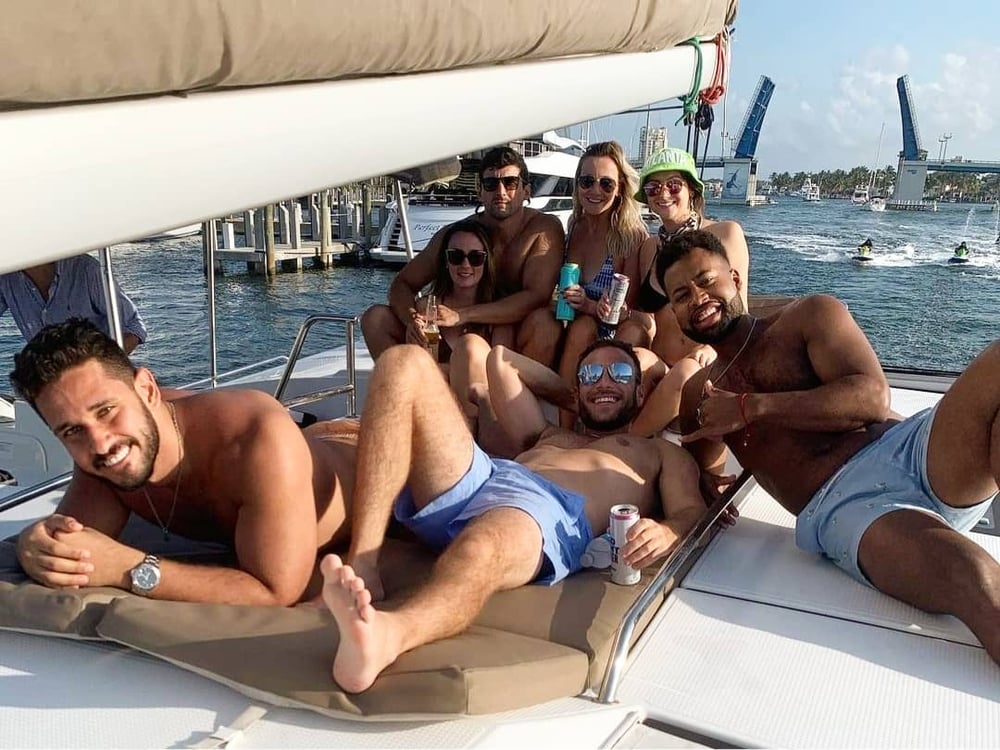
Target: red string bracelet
[{"x": 746, "y": 422}]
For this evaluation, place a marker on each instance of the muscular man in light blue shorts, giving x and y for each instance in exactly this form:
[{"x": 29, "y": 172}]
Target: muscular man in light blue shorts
[
  {"x": 801, "y": 400},
  {"x": 887, "y": 475},
  {"x": 499, "y": 524}
]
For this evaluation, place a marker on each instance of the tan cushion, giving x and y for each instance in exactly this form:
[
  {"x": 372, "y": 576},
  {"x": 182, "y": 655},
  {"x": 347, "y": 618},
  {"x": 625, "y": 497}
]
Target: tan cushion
[
  {"x": 31, "y": 608},
  {"x": 284, "y": 656},
  {"x": 70, "y": 50},
  {"x": 529, "y": 645},
  {"x": 582, "y": 612}
]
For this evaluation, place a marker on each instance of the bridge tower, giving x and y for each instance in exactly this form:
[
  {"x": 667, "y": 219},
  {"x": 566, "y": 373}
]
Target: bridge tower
[
  {"x": 911, "y": 173},
  {"x": 739, "y": 172}
]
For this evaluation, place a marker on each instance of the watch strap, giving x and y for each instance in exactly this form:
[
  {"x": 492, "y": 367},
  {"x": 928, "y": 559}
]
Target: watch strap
[{"x": 150, "y": 561}]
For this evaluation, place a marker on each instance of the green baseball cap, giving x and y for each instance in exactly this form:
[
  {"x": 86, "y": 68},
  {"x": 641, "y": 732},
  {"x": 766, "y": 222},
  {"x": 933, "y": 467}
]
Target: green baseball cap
[{"x": 669, "y": 160}]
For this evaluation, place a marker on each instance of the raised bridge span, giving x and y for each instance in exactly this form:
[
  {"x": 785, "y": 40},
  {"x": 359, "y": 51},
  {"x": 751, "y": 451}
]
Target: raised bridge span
[{"x": 911, "y": 174}]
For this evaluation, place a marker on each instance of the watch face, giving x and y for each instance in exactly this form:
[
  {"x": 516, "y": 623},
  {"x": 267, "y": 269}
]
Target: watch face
[{"x": 145, "y": 577}]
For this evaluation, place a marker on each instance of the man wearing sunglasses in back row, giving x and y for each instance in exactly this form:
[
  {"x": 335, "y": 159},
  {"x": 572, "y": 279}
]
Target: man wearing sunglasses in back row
[
  {"x": 527, "y": 247},
  {"x": 498, "y": 524}
]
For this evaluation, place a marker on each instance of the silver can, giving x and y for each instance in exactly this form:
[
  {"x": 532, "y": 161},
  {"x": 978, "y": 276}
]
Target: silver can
[
  {"x": 616, "y": 295},
  {"x": 623, "y": 517}
]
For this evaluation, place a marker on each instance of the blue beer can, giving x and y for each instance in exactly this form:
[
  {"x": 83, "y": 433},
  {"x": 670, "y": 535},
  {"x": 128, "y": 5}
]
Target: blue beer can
[{"x": 568, "y": 276}]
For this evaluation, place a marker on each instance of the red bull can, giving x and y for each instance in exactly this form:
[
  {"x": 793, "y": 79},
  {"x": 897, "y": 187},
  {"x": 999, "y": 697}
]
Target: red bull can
[
  {"x": 568, "y": 276},
  {"x": 623, "y": 517},
  {"x": 616, "y": 295}
]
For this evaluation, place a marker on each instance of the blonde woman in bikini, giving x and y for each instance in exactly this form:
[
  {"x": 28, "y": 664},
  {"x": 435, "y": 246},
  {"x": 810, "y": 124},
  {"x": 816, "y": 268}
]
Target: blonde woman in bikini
[{"x": 604, "y": 237}]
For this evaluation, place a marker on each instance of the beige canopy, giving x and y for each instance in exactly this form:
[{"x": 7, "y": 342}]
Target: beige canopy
[{"x": 76, "y": 50}]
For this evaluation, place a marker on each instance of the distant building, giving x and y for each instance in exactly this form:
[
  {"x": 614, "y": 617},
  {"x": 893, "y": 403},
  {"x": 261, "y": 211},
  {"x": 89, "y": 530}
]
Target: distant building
[{"x": 651, "y": 140}]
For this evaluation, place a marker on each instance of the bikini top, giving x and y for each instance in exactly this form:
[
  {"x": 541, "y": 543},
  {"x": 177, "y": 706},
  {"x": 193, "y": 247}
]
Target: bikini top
[
  {"x": 652, "y": 299},
  {"x": 601, "y": 282}
]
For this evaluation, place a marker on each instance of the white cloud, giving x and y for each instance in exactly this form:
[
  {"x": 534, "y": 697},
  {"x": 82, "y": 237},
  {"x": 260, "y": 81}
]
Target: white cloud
[{"x": 836, "y": 123}]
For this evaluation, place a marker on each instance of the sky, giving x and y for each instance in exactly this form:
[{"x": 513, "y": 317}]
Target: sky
[{"x": 834, "y": 67}]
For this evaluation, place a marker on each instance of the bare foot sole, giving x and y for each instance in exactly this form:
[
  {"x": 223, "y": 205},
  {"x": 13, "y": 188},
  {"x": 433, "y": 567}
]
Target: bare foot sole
[{"x": 364, "y": 649}]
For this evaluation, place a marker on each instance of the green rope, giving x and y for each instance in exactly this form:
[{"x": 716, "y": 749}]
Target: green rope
[{"x": 691, "y": 100}]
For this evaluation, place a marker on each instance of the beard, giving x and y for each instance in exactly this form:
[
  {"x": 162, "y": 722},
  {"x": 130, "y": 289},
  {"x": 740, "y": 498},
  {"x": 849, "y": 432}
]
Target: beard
[
  {"x": 729, "y": 317},
  {"x": 626, "y": 414},
  {"x": 151, "y": 439}
]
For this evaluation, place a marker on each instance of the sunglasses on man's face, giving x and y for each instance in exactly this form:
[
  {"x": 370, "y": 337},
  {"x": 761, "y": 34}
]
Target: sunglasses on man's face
[
  {"x": 586, "y": 181},
  {"x": 511, "y": 182},
  {"x": 620, "y": 372},
  {"x": 655, "y": 187},
  {"x": 456, "y": 257}
]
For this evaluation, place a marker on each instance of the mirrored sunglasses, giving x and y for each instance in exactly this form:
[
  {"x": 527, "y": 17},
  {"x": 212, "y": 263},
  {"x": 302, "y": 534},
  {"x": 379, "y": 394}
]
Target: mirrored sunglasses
[
  {"x": 586, "y": 181},
  {"x": 620, "y": 372},
  {"x": 490, "y": 184},
  {"x": 655, "y": 187},
  {"x": 456, "y": 257}
]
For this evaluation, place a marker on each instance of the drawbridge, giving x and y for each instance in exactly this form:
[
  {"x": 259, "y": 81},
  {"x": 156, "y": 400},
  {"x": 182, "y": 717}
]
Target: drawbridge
[
  {"x": 911, "y": 172},
  {"x": 739, "y": 170}
]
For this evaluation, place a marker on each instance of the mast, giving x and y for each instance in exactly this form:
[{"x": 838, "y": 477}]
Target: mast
[{"x": 878, "y": 153}]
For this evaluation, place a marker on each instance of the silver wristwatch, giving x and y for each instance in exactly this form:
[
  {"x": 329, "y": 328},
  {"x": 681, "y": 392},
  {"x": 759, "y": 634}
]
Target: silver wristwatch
[{"x": 146, "y": 576}]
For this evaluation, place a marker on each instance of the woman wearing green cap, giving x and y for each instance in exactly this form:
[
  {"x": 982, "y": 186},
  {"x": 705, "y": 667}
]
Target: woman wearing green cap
[
  {"x": 669, "y": 185},
  {"x": 605, "y": 234}
]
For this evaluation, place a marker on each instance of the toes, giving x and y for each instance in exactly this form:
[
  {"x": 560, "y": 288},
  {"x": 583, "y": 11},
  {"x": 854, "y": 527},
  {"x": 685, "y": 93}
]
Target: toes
[
  {"x": 329, "y": 566},
  {"x": 355, "y": 585},
  {"x": 347, "y": 576}
]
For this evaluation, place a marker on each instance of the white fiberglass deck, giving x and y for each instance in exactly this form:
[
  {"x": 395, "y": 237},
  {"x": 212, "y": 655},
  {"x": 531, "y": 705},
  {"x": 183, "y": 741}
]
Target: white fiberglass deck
[
  {"x": 766, "y": 645},
  {"x": 62, "y": 693}
]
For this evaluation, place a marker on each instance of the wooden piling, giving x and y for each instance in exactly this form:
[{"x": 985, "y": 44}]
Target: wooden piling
[
  {"x": 324, "y": 217},
  {"x": 269, "y": 255},
  {"x": 366, "y": 213}
]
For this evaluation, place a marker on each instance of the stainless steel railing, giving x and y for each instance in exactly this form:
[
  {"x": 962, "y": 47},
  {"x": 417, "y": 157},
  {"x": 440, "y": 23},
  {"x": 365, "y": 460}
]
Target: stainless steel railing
[
  {"x": 349, "y": 389},
  {"x": 623, "y": 638},
  {"x": 217, "y": 379},
  {"x": 35, "y": 490}
]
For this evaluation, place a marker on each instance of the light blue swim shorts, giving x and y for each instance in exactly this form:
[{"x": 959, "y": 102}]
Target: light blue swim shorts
[
  {"x": 887, "y": 475},
  {"x": 497, "y": 483}
]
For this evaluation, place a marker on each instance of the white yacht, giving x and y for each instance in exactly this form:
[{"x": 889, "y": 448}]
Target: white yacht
[
  {"x": 861, "y": 195},
  {"x": 739, "y": 639},
  {"x": 877, "y": 204},
  {"x": 810, "y": 191}
]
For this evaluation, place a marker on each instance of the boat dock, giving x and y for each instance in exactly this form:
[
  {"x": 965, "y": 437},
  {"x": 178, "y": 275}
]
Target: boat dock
[
  {"x": 911, "y": 205},
  {"x": 279, "y": 238}
]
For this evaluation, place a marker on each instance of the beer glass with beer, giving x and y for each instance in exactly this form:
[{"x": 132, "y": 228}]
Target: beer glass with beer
[{"x": 431, "y": 332}]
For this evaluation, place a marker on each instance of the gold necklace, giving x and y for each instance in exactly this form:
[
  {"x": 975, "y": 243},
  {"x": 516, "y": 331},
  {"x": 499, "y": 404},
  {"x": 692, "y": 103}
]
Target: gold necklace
[
  {"x": 730, "y": 363},
  {"x": 165, "y": 527}
]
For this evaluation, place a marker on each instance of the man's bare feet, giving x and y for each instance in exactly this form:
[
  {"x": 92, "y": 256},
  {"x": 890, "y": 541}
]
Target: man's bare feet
[{"x": 366, "y": 642}]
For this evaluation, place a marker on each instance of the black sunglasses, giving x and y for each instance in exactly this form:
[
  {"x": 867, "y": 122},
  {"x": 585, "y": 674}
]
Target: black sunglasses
[
  {"x": 586, "y": 181},
  {"x": 456, "y": 257},
  {"x": 511, "y": 182}
]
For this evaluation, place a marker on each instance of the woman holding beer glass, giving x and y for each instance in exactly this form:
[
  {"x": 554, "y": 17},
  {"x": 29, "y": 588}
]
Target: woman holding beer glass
[
  {"x": 466, "y": 275},
  {"x": 604, "y": 237},
  {"x": 671, "y": 188}
]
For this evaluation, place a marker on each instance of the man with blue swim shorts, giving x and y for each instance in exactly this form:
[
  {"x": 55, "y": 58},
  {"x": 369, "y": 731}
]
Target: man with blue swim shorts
[
  {"x": 498, "y": 524},
  {"x": 801, "y": 400}
]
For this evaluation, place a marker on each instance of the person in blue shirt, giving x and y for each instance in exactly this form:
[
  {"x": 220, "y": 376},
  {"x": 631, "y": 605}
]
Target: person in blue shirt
[{"x": 69, "y": 288}]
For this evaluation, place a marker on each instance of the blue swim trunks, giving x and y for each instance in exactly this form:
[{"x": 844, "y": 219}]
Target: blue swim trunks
[
  {"x": 887, "y": 475},
  {"x": 497, "y": 483}
]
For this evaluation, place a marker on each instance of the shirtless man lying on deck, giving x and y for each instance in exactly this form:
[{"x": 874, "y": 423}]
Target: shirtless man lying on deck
[
  {"x": 224, "y": 466},
  {"x": 501, "y": 524},
  {"x": 802, "y": 401}
]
